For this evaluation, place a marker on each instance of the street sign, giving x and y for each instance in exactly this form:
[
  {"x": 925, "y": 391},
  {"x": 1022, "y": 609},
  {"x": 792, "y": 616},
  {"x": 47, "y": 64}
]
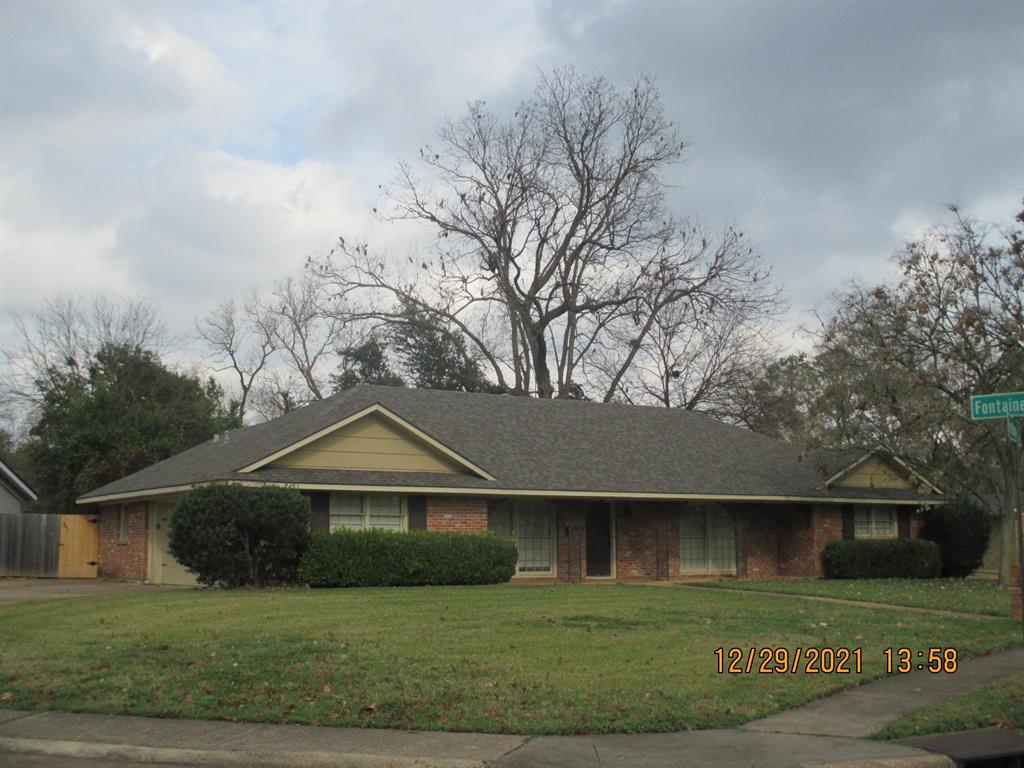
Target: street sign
[
  {"x": 1001, "y": 406},
  {"x": 1014, "y": 430}
]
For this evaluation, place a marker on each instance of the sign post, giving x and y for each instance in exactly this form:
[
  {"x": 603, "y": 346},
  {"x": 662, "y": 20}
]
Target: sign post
[{"x": 1009, "y": 406}]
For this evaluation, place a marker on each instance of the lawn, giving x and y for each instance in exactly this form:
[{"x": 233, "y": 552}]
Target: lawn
[
  {"x": 515, "y": 659},
  {"x": 961, "y": 595},
  {"x": 1001, "y": 704}
]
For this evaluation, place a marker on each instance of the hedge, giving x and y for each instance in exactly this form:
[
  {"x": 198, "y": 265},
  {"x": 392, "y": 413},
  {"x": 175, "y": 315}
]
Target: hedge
[
  {"x": 410, "y": 558},
  {"x": 881, "y": 559},
  {"x": 961, "y": 529},
  {"x": 234, "y": 535}
]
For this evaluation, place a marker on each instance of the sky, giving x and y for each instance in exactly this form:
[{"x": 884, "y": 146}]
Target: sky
[{"x": 190, "y": 152}]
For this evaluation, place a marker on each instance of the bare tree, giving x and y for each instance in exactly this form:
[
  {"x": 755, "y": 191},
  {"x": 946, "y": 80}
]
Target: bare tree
[
  {"x": 707, "y": 365},
  {"x": 242, "y": 340},
  {"x": 275, "y": 395},
  {"x": 553, "y": 238},
  {"x": 63, "y": 335},
  {"x": 308, "y": 330}
]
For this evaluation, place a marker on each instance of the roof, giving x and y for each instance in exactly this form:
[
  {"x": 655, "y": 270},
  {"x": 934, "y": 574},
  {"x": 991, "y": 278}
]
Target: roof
[
  {"x": 527, "y": 445},
  {"x": 16, "y": 482}
]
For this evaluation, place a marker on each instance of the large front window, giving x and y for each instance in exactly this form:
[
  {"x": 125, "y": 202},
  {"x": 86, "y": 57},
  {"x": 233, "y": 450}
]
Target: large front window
[
  {"x": 874, "y": 523},
  {"x": 530, "y": 523},
  {"x": 707, "y": 540},
  {"x": 359, "y": 513}
]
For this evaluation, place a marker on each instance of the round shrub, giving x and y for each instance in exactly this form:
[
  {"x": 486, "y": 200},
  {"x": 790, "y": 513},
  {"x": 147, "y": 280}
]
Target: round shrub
[
  {"x": 961, "y": 529},
  {"x": 881, "y": 559},
  {"x": 407, "y": 559},
  {"x": 235, "y": 535}
]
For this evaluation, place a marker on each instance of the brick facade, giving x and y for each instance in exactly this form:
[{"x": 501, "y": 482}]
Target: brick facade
[
  {"x": 456, "y": 513},
  {"x": 646, "y": 541},
  {"x": 123, "y": 557}
]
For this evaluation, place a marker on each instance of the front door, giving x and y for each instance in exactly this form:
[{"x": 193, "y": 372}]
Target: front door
[{"x": 599, "y": 540}]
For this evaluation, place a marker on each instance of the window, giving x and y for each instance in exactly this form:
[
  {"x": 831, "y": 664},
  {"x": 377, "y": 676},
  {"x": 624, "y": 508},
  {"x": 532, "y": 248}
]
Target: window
[
  {"x": 122, "y": 522},
  {"x": 707, "y": 540},
  {"x": 530, "y": 522},
  {"x": 359, "y": 513},
  {"x": 874, "y": 523}
]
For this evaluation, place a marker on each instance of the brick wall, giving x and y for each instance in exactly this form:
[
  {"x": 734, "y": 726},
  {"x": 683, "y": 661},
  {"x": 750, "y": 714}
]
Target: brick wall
[
  {"x": 642, "y": 531},
  {"x": 123, "y": 558},
  {"x": 758, "y": 531},
  {"x": 456, "y": 513}
]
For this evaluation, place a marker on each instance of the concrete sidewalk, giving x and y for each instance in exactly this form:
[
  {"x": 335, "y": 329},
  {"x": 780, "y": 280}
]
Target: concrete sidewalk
[
  {"x": 139, "y": 740},
  {"x": 866, "y": 709}
]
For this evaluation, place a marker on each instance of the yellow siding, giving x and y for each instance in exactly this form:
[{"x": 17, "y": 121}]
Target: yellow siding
[
  {"x": 874, "y": 473},
  {"x": 372, "y": 442}
]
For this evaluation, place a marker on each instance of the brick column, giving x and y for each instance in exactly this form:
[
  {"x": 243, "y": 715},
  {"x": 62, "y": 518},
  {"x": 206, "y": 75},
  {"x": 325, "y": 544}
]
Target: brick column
[{"x": 123, "y": 557}]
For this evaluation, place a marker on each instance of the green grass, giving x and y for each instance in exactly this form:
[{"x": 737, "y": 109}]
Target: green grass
[
  {"x": 961, "y": 595},
  {"x": 514, "y": 659},
  {"x": 1001, "y": 704}
]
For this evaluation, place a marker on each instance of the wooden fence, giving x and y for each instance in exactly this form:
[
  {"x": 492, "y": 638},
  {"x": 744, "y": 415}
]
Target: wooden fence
[{"x": 48, "y": 545}]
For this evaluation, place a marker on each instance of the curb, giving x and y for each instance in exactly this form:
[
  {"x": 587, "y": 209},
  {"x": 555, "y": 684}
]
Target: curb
[
  {"x": 226, "y": 758},
  {"x": 933, "y": 760}
]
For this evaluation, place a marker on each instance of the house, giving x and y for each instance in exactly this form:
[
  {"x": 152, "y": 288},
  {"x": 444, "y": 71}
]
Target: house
[
  {"x": 15, "y": 493},
  {"x": 588, "y": 490}
]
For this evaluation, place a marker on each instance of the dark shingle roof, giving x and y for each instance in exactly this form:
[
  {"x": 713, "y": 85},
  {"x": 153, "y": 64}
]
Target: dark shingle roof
[{"x": 526, "y": 444}]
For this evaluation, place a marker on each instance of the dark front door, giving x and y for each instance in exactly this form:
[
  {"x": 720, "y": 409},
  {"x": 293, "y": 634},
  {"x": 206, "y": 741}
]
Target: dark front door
[{"x": 599, "y": 540}]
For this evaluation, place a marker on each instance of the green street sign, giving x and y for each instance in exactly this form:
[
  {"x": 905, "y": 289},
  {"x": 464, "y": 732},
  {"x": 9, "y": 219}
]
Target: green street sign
[
  {"x": 1002, "y": 406},
  {"x": 1014, "y": 429}
]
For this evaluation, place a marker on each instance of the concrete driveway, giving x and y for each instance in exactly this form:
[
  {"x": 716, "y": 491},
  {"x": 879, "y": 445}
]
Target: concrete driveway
[{"x": 29, "y": 590}]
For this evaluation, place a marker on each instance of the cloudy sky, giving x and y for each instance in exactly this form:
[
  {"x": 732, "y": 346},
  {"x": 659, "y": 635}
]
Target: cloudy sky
[{"x": 188, "y": 152}]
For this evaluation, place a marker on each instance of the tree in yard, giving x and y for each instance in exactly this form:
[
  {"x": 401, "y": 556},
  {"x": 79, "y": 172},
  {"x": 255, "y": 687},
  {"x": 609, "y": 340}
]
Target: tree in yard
[
  {"x": 784, "y": 401},
  {"x": 62, "y": 336},
  {"x": 555, "y": 255},
  {"x": 124, "y": 413},
  {"x": 434, "y": 357},
  {"x": 366, "y": 363},
  {"x": 698, "y": 363},
  {"x": 242, "y": 340},
  {"x": 307, "y": 332},
  {"x": 905, "y": 358}
]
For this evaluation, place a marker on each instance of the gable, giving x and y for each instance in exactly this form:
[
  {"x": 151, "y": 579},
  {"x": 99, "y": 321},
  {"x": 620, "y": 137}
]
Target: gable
[
  {"x": 874, "y": 472},
  {"x": 371, "y": 442}
]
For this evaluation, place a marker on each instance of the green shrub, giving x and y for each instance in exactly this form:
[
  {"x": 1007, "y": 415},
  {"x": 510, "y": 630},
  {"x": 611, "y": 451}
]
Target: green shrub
[
  {"x": 961, "y": 530},
  {"x": 234, "y": 535},
  {"x": 408, "y": 559},
  {"x": 881, "y": 559}
]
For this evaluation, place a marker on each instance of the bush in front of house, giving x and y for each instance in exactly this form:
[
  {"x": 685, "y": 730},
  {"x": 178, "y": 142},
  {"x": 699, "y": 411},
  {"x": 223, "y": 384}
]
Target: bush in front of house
[
  {"x": 881, "y": 559},
  {"x": 406, "y": 559},
  {"x": 961, "y": 529},
  {"x": 235, "y": 535}
]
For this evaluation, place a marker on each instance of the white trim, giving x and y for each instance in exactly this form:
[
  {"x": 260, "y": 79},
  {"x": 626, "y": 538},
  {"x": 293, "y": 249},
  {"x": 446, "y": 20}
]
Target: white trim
[
  {"x": 12, "y": 477},
  {"x": 381, "y": 410},
  {"x": 438, "y": 490}
]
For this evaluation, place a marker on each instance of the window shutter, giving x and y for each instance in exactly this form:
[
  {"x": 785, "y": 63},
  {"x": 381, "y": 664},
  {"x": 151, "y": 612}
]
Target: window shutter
[
  {"x": 319, "y": 511},
  {"x": 417, "y": 513},
  {"x": 903, "y": 524},
  {"x": 847, "y": 521}
]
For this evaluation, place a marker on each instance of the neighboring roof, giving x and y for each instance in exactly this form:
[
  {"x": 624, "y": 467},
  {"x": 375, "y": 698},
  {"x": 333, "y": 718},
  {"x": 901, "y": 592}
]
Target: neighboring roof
[
  {"x": 558, "y": 447},
  {"x": 16, "y": 482}
]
